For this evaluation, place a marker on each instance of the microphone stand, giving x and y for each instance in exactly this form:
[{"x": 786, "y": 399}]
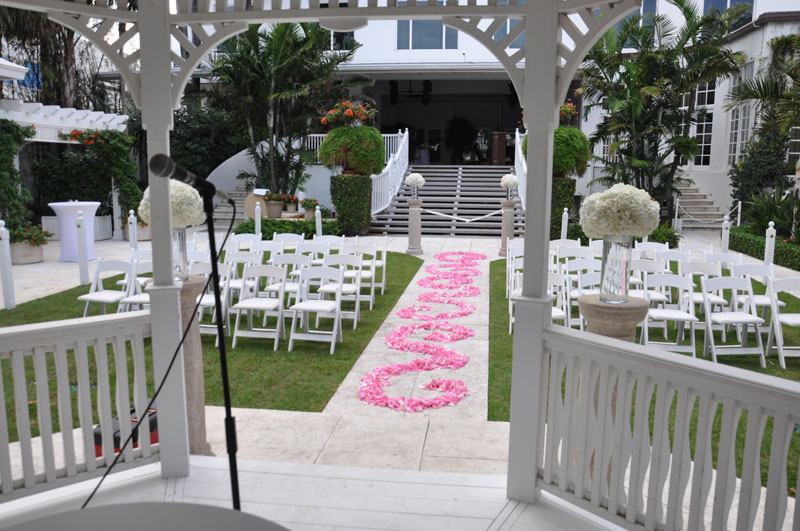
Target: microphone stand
[{"x": 230, "y": 421}]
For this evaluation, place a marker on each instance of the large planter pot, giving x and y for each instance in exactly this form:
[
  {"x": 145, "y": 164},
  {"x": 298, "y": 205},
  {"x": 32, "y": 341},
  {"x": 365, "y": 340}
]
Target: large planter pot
[
  {"x": 22, "y": 253},
  {"x": 274, "y": 209},
  {"x": 309, "y": 214},
  {"x": 291, "y": 207}
]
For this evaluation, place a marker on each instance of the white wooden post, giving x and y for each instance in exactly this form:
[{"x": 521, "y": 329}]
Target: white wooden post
[
  {"x": 155, "y": 80},
  {"x": 6, "y": 276},
  {"x": 726, "y": 233},
  {"x": 257, "y": 218},
  {"x": 318, "y": 219},
  {"x": 739, "y": 215},
  {"x": 534, "y": 306},
  {"x": 116, "y": 213},
  {"x": 83, "y": 259},
  {"x": 564, "y": 223},
  {"x": 677, "y": 206},
  {"x": 133, "y": 230},
  {"x": 769, "y": 245}
]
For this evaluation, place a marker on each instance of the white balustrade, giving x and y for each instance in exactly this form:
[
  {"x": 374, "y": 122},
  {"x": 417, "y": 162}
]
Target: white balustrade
[
  {"x": 386, "y": 184},
  {"x": 520, "y": 168},
  {"x": 390, "y": 144},
  {"x": 617, "y": 439},
  {"x": 6, "y": 273},
  {"x": 93, "y": 367}
]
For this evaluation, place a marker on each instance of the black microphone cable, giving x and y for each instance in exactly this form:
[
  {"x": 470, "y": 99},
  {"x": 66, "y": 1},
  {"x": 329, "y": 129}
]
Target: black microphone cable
[{"x": 166, "y": 374}]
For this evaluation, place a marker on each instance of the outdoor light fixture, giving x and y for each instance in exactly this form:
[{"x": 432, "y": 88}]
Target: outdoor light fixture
[{"x": 343, "y": 25}]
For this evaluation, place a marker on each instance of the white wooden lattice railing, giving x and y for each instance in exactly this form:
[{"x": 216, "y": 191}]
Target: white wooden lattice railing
[
  {"x": 617, "y": 439},
  {"x": 520, "y": 167},
  {"x": 386, "y": 184},
  {"x": 69, "y": 359}
]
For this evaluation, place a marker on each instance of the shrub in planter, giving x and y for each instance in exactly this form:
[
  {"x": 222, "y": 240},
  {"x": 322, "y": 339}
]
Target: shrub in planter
[
  {"x": 355, "y": 149},
  {"x": 571, "y": 151},
  {"x": 352, "y": 197},
  {"x": 26, "y": 243},
  {"x": 296, "y": 226}
]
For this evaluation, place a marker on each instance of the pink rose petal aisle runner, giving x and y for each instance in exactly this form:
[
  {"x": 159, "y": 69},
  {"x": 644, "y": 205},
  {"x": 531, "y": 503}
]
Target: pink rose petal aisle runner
[{"x": 430, "y": 357}]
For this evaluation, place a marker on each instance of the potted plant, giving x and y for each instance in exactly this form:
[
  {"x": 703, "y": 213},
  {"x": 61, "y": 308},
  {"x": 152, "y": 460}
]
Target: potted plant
[
  {"x": 274, "y": 204},
  {"x": 27, "y": 243},
  {"x": 310, "y": 207},
  {"x": 359, "y": 151},
  {"x": 291, "y": 203}
]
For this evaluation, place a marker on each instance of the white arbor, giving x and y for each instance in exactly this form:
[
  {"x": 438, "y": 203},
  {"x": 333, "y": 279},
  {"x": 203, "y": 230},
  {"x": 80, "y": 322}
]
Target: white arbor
[{"x": 558, "y": 35}]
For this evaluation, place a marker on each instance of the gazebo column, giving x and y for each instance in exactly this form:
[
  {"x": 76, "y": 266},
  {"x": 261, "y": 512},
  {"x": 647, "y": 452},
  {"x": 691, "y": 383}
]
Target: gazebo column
[
  {"x": 165, "y": 309},
  {"x": 533, "y": 308}
]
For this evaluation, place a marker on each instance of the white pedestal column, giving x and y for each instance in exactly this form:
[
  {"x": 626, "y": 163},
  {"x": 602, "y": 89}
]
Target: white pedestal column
[{"x": 414, "y": 227}]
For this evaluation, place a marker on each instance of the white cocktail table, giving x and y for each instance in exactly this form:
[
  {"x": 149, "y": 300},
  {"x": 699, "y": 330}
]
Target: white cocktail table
[{"x": 67, "y": 213}]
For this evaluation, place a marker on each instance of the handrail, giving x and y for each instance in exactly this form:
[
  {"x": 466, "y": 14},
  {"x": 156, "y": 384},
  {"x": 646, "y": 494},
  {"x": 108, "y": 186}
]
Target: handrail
[
  {"x": 386, "y": 184},
  {"x": 520, "y": 168},
  {"x": 628, "y": 435},
  {"x": 390, "y": 144},
  {"x": 77, "y": 358}
]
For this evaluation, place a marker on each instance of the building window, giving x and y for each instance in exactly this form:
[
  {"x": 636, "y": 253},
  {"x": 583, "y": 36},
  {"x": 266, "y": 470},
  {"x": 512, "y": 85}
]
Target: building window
[
  {"x": 794, "y": 145},
  {"x": 703, "y": 136},
  {"x": 425, "y": 34},
  {"x": 505, "y": 29},
  {"x": 342, "y": 41},
  {"x": 740, "y": 120},
  {"x": 706, "y": 93}
]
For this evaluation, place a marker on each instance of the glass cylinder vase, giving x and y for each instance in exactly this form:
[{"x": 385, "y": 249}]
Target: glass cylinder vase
[
  {"x": 616, "y": 266},
  {"x": 179, "y": 259}
]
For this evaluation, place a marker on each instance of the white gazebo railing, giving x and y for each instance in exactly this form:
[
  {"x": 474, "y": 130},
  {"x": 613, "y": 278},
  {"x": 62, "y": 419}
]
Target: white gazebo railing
[
  {"x": 52, "y": 120},
  {"x": 390, "y": 144},
  {"x": 386, "y": 184},
  {"x": 71, "y": 360},
  {"x": 520, "y": 167},
  {"x": 616, "y": 430}
]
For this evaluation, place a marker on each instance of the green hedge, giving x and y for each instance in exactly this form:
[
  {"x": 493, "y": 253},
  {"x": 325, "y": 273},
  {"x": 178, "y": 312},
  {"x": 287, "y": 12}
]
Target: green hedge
[
  {"x": 352, "y": 198},
  {"x": 786, "y": 254},
  {"x": 306, "y": 227},
  {"x": 562, "y": 196},
  {"x": 662, "y": 234}
]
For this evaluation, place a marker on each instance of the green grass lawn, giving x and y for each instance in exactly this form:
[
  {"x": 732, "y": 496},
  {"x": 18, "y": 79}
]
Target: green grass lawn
[
  {"x": 500, "y": 356},
  {"x": 301, "y": 380}
]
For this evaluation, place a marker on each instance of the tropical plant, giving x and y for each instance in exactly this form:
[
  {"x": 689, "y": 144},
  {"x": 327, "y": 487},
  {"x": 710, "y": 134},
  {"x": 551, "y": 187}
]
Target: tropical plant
[
  {"x": 29, "y": 233},
  {"x": 204, "y": 137},
  {"x": 648, "y": 97},
  {"x": 779, "y": 205},
  {"x": 14, "y": 197},
  {"x": 761, "y": 166},
  {"x": 275, "y": 82},
  {"x": 309, "y": 204}
]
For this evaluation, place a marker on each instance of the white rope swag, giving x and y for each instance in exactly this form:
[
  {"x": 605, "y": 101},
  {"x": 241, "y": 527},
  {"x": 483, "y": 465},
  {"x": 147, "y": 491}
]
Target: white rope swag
[{"x": 459, "y": 218}]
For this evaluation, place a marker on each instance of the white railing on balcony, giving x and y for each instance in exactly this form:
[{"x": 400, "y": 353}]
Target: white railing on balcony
[
  {"x": 386, "y": 184},
  {"x": 56, "y": 367},
  {"x": 390, "y": 144},
  {"x": 630, "y": 436},
  {"x": 520, "y": 167}
]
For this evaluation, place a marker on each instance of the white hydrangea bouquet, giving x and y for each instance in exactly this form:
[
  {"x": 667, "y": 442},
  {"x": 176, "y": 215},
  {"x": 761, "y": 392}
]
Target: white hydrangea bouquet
[
  {"x": 415, "y": 180},
  {"x": 187, "y": 206},
  {"x": 622, "y": 210},
  {"x": 187, "y": 211},
  {"x": 509, "y": 181},
  {"x": 616, "y": 216}
]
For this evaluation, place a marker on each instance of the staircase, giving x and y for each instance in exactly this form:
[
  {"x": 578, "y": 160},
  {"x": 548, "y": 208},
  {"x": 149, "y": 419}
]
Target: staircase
[
  {"x": 697, "y": 205},
  {"x": 223, "y": 212},
  {"x": 464, "y": 191}
]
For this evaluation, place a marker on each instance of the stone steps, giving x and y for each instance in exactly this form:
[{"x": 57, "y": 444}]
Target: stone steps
[{"x": 700, "y": 211}]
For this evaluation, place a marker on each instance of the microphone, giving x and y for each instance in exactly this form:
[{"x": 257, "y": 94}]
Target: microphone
[{"x": 163, "y": 166}]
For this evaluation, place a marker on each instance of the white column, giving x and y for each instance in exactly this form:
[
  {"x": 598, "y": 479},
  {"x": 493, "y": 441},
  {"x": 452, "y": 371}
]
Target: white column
[
  {"x": 133, "y": 230},
  {"x": 83, "y": 258},
  {"x": 156, "y": 97},
  {"x": 533, "y": 307},
  {"x": 318, "y": 220},
  {"x": 726, "y": 233},
  {"x": 6, "y": 276},
  {"x": 769, "y": 245},
  {"x": 564, "y": 223},
  {"x": 116, "y": 213},
  {"x": 257, "y": 218}
]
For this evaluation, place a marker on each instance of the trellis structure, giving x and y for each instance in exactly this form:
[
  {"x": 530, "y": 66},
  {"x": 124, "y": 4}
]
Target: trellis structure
[{"x": 559, "y": 33}]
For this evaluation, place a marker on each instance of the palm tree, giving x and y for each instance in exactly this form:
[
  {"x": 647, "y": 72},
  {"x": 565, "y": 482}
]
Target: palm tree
[{"x": 641, "y": 76}]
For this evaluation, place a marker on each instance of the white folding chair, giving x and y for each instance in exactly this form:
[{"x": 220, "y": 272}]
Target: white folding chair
[
  {"x": 368, "y": 252},
  {"x": 703, "y": 270},
  {"x": 762, "y": 272},
  {"x": 648, "y": 249},
  {"x": 289, "y": 239},
  {"x": 726, "y": 260},
  {"x": 557, "y": 287},
  {"x": 673, "y": 257},
  {"x": 198, "y": 257},
  {"x": 207, "y": 301},
  {"x": 511, "y": 255},
  {"x": 250, "y": 302},
  {"x": 239, "y": 259},
  {"x": 200, "y": 240},
  {"x": 697, "y": 251},
  {"x": 640, "y": 269},
  {"x": 293, "y": 263},
  {"x": 316, "y": 251},
  {"x": 335, "y": 242},
  {"x": 137, "y": 298},
  {"x": 572, "y": 270},
  {"x": 351, "y": 287},
  {"x": 268, "y": 250},
  {"x": 588, "y": 284},
  {"x": 380, "y": 261},
  {"x": 242, "y": 242},
  {"x": 97, "y": 293},
  {"x": 774, "y": 288},
  {"x": 138, "y": 255},
  {"x": 308, "y": 304},
  {"x": 597, "y": 248},
  {"x": 681, "y": 313},
  {"x": 740, "y": 288}
]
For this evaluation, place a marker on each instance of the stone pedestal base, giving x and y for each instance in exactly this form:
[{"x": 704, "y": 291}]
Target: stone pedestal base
[
  {"x": 193, "y": 364},
  {"x": 414, "y": 227},
  {"x": 507, "y": 226},
  {"x": 613, "y": 320}
]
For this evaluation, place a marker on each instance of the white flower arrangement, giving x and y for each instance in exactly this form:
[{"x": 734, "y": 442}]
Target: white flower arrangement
[
  {"x": 187, "y": 206},
  {"x": 509, "y": 181},
  {"x": 622, "y": 210},
  {"x": 415, "y": 179}
]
